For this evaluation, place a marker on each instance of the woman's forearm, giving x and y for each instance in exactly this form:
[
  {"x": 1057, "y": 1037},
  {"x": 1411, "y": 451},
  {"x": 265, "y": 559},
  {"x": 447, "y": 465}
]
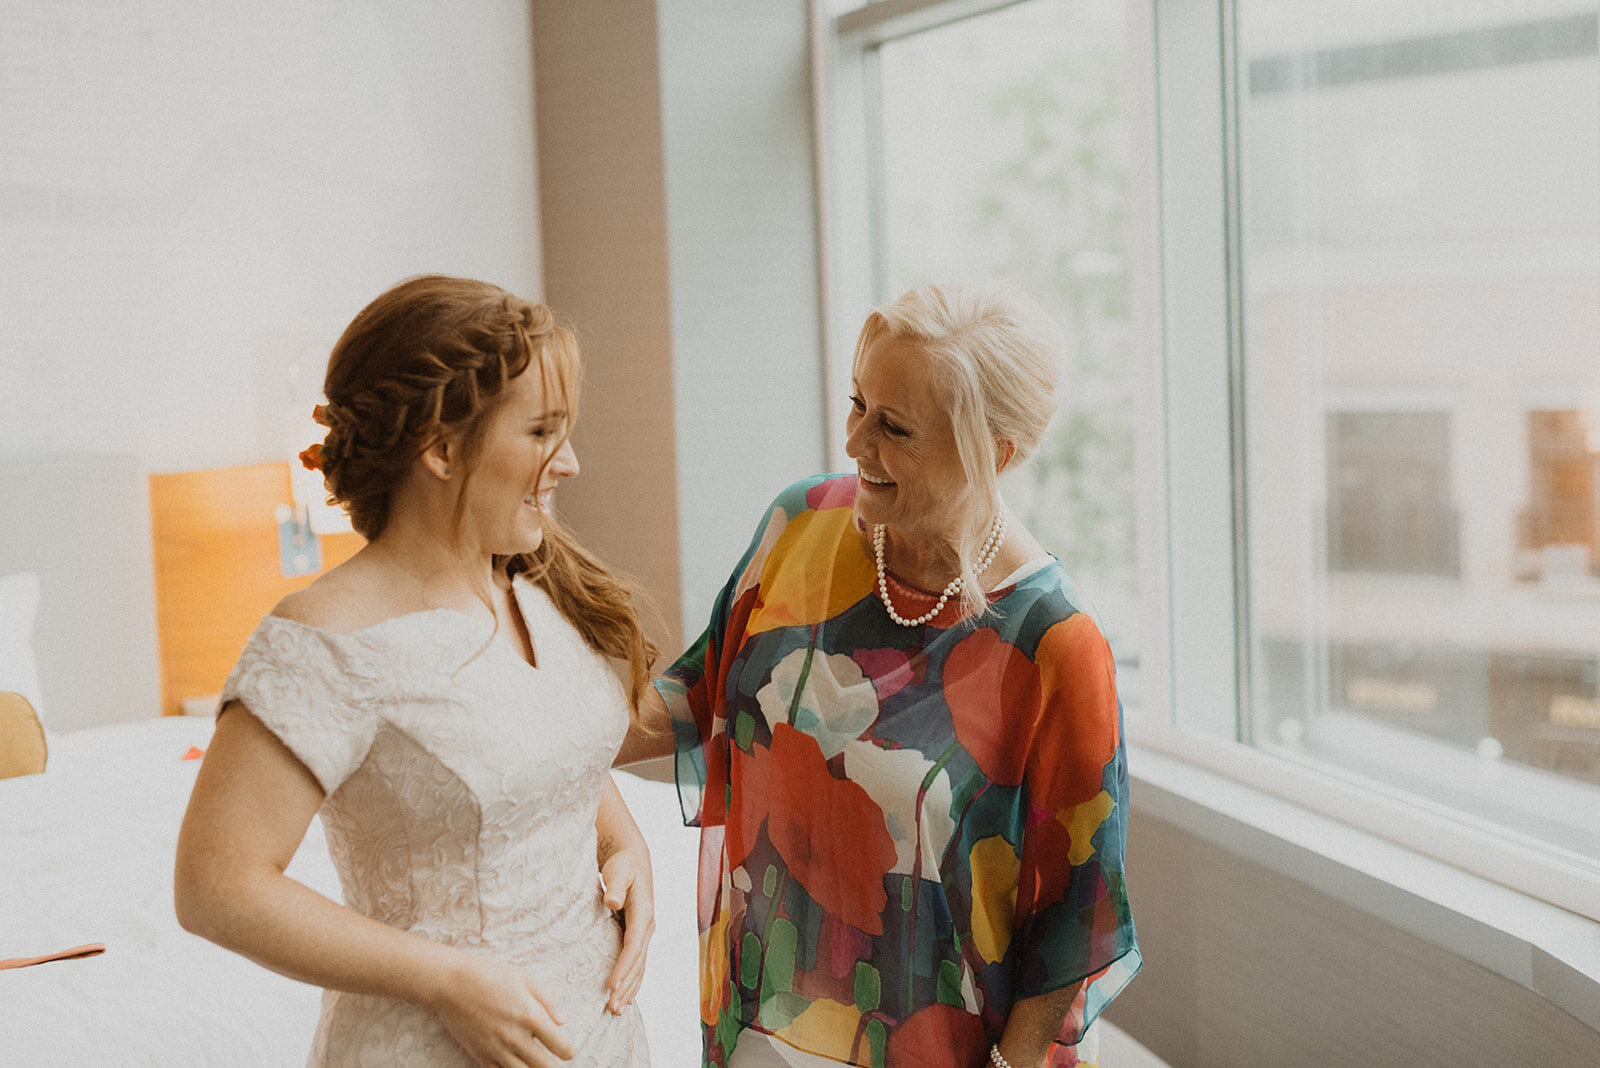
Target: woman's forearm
[
  {"x": 286, "y": 926},
  {"x": 614, "y": 826},
  {"x": 624, "y": 860},
  {"x": 249, "y": 811},
  {"x": 1034, "y": 1024},
  {"x": 650, "y": 733}
]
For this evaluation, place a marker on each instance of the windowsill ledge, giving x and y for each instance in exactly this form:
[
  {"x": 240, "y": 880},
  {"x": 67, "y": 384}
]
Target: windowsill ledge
[{"x": 1551, "y": 951}]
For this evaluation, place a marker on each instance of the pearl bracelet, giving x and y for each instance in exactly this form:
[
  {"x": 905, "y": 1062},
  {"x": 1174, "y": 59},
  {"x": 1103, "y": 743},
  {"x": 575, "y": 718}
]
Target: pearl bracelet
[{"x": 998, "y": 1059}]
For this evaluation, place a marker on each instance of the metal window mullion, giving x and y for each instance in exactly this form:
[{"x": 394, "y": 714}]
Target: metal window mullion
[
  {"x": 846, "y": 183},
  {"x": 877, "y": 174},
  {"x": 823, "y": 62},
  {"x": 1199, "y": 327},
  {"x": 1233, "y": 240},
  {"x": 884, "y": 20}
]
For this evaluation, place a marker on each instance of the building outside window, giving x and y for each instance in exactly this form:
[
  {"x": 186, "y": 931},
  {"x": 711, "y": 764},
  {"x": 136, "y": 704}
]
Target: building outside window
[
  {"x": 1420, "y": 190},
  {"x": 1389, "y": 506},
  {"x": 1558, "y": 533}
]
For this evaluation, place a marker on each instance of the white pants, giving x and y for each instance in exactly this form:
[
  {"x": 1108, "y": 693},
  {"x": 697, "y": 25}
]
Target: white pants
[{"x": 758, "y": 1050}]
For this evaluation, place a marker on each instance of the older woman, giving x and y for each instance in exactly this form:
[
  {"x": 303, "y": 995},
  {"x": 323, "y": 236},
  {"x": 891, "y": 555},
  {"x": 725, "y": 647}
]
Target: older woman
[{"x": 900, "y": 735}]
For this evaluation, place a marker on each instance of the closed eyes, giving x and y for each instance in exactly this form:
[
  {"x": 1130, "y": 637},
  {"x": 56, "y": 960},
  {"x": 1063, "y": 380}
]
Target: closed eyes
[{"x": 888, "y": 428}]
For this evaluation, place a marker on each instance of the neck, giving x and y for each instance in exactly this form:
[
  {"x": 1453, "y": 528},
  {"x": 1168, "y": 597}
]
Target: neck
[
  {"x": 419, "y": 551},
  {"x": 929, "y": 562}
]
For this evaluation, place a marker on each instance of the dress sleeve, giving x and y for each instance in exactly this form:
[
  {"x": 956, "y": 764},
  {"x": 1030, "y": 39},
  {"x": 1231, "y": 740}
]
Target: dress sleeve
[
  {"x": 1073, "y": 923},
  {"x": 300, "y": 684},
  {"x": 694, "y": 687}
]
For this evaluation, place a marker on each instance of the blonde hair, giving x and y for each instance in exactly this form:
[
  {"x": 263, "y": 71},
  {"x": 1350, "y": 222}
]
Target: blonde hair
[
  {"x": 434, "y": 354},
  {"x": 995, "y": 357}
]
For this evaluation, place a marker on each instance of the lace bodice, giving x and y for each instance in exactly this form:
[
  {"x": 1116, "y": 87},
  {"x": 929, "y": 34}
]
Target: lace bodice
[{"x": 462, "y": 786}]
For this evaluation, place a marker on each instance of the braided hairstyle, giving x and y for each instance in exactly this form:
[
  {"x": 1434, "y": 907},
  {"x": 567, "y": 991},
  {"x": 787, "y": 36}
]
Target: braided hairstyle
[{"x": 434, "y": 354}]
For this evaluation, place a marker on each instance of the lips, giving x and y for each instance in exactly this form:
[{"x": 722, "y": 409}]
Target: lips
[
  {"x": 541, "y": 500},
  {"x": 873, "y": 480}
]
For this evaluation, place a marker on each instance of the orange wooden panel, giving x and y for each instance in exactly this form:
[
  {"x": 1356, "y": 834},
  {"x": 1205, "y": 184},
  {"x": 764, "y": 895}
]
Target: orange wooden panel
[{"x": 215, "y": 537}]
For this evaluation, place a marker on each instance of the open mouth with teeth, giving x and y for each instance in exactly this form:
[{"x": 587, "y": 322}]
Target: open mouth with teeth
[
  {"x": 874, "y": 480},
  {"x": 540, "y": 502}
]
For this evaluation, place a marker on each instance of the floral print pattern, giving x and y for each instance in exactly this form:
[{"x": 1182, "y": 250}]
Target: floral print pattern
[{"x": 903, "y": 830}]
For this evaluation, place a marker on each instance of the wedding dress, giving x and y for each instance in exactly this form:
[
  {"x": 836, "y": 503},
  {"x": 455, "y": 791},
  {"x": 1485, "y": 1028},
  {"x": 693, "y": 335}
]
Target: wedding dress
[{"x": 462, "y": 785}]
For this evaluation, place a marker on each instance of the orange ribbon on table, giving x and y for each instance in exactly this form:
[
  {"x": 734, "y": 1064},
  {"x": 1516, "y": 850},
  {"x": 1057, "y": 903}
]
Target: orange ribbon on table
[{"x": 93, "y": 949}]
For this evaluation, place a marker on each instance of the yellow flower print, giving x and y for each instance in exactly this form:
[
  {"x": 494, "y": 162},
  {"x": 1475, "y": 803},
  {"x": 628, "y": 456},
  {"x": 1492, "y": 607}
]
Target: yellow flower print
[
  {"x": 713, "y": 969},
  {"x": 995, "y": 873},
  {"x": 809, "y": 577},
  {"x": 1081, "y": 821},
  {"x": 776, "y": 521},
  {"x": 826, "y": 1028}
]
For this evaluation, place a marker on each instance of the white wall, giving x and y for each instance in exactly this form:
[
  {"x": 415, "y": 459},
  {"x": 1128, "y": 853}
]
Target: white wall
[
  {"x": 196, "y": 197},
  {"x": 742, "y": 247},
  {"x": 679, "y": 224},
  {"x": 1244, "y": 965}
]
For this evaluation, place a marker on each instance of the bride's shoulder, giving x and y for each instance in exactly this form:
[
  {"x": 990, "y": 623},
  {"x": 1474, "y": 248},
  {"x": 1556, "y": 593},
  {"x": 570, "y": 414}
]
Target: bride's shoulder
[{"x": 345, "y": 599}]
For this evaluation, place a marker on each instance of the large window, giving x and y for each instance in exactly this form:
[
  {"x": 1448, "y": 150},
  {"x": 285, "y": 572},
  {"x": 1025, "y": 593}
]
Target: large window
[
  {"x": 1420, "y": 192},
  {"x": 1373, "y": 559}
]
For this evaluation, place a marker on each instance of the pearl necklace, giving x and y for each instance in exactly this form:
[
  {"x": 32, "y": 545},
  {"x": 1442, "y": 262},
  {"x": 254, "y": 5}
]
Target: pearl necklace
[{"x": 986, "y": 555}]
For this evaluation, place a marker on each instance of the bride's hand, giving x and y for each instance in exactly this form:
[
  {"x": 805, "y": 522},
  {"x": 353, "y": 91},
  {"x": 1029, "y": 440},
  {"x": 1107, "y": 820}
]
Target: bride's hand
[
  {"x": 630, "y": 891},
  {"x": 499, "y": 1016}
]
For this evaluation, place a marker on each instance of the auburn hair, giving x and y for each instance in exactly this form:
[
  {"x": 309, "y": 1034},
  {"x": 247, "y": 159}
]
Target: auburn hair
[{"x": 431, "y": 355}]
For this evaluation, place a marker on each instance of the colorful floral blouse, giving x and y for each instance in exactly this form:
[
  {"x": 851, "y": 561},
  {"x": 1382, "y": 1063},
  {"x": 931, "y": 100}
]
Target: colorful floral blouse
[{"x": 903, "y": 829}]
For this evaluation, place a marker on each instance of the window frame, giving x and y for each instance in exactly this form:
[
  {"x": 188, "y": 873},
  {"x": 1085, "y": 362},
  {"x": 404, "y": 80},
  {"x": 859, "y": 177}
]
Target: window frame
[{"x": 1195, "y": 675}]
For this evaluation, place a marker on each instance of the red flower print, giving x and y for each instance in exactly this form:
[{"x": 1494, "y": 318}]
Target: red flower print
[
  {"x": 1077, "y": 736},
  {"x": 1046, "y": 872},
  {"x": 993, "y": 694},
  {"x": 827, "y": 830},
  {"x": 834, "y": 493},
  {"x": 889, "y": 669},
  {"x": 938, "y": 1034}
]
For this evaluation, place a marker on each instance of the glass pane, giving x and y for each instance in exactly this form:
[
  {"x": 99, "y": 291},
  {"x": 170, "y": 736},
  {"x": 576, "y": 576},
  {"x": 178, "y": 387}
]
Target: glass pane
[
  {"x": 1421, "y": 216},
  {"x": 1004, "y": 154}
]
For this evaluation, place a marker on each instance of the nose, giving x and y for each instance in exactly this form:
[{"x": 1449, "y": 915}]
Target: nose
[
  {"x": 855, "y": 439},
  {"x": 564, "y": 464}
]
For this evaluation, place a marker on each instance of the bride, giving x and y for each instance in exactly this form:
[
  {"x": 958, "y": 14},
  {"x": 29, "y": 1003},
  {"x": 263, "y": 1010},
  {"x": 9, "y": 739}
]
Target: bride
[{"x": 443, "y": 699}]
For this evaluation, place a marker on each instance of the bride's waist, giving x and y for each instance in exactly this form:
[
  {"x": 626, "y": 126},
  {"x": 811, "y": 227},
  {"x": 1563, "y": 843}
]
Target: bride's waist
[{"x": 561, "y": 921}]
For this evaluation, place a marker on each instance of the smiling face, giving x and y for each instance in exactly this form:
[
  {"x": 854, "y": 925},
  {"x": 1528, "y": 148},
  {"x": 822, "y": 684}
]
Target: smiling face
[
  {"x": 909, "y": 474},
  {"x": 525, "y": 451}
]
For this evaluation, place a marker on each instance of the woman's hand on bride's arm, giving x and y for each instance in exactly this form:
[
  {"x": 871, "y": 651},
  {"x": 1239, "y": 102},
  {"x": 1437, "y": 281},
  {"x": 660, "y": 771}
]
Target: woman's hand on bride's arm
[
  {"x": 498, "y": 1015},
  {"x": 624, "y": 861}
]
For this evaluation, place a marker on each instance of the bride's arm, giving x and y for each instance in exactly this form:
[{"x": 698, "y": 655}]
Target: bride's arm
[
  {"x": 624, "y": 861},
  {"x": 251, "y": 805},
  {"x": 649, "y": 733}
]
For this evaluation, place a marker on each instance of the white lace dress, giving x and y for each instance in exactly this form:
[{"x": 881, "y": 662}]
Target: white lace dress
[{"x": 462, "y": 789}]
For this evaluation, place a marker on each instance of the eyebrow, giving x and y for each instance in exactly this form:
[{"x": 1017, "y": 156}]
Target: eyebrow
[{"x": 855, "y": 387}]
